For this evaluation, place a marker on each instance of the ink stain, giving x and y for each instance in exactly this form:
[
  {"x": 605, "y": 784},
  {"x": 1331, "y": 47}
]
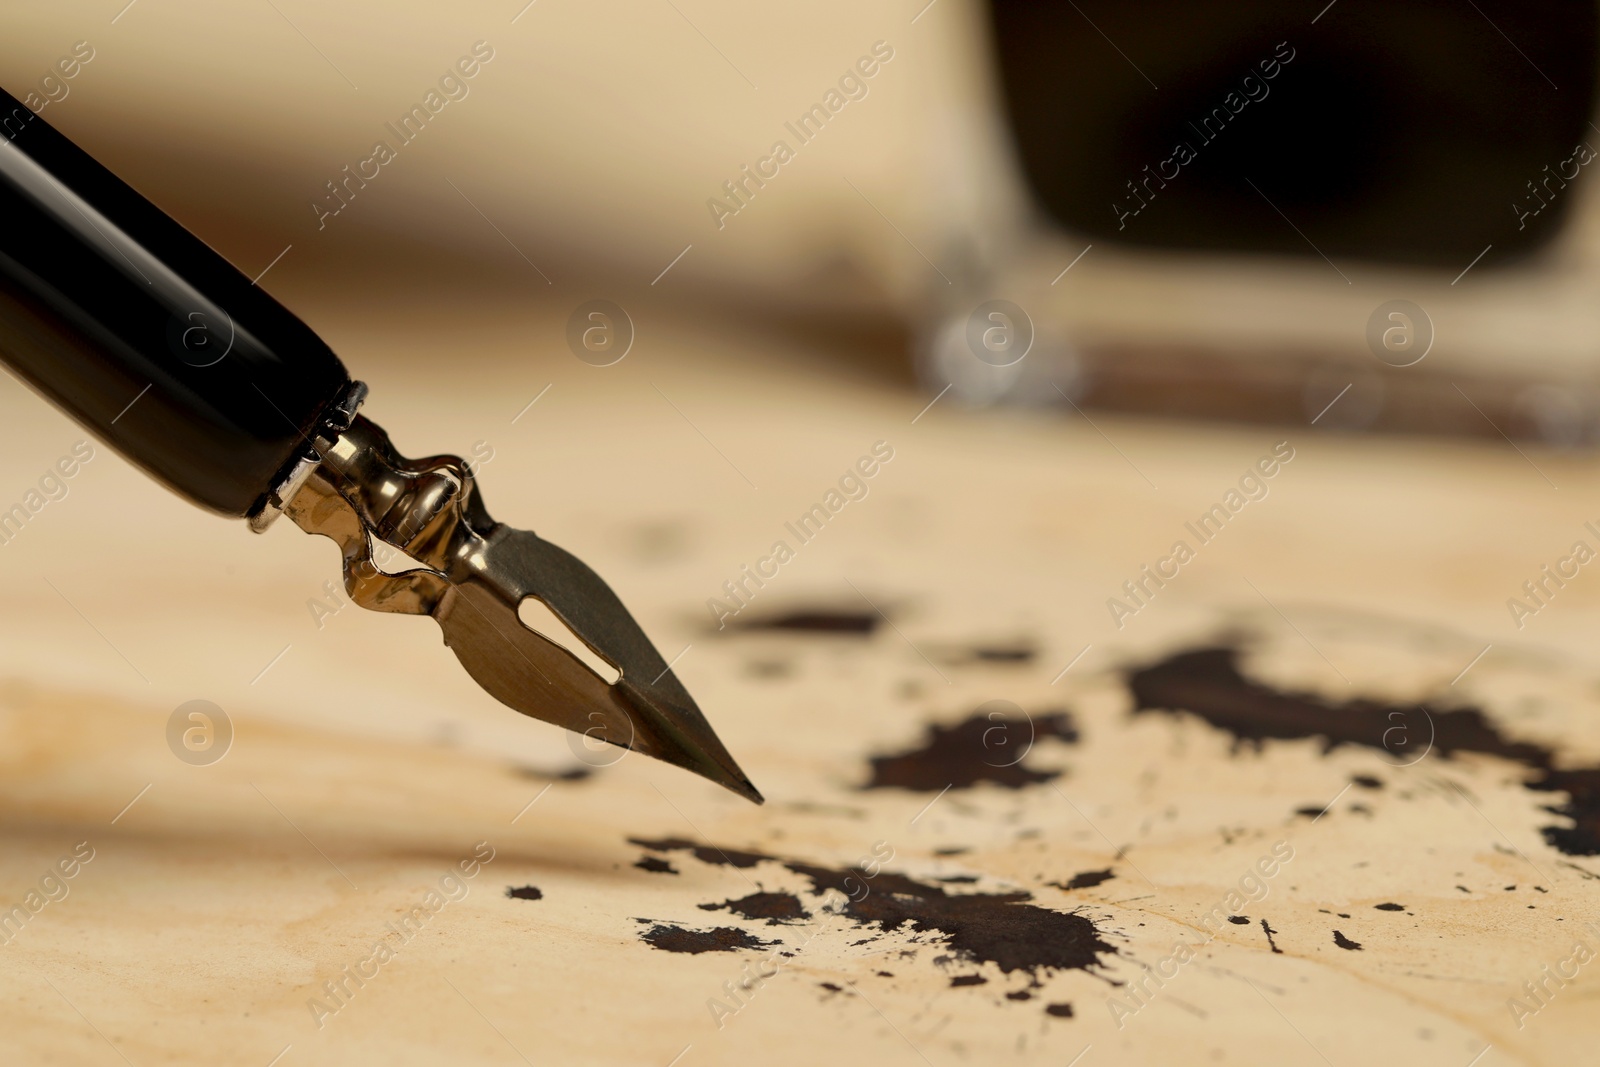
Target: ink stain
[
  {"x": 1367, "y": 781},
  {"x": 1239, "y": 920},
  {"x": 817, "y": 621},
  {"x": 982, "y": 748},
  {"x": 1207, "y": 682},
  {"x": 831, "y": 987},
  {"x": 538, "y": 774},
  {"x": 717, "y": 857},
  {"x": 1269, "y": 931},
  {"x": 1390, "y": 907},
  {"x": 969, "y": 979},
  {"x": 524, "y": 892},
  {"x": 1006, "y": 654},
  {"x": 1004, "y": 929},
  {"x": 1345, "y": 943},
  {"x": 1019, "y": 994},
  {"x": 1084, "y": 880},
  {"x": 775, "y": 908},
  {"x": 655, "y": 865},
  {"x": 1060, "y": 1011},
  {"x": 678, "y": 939},
  {"x": 997, "y": 654}
]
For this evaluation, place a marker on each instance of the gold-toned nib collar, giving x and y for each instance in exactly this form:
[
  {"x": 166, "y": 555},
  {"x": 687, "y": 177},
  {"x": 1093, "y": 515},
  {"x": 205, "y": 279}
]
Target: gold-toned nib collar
[{"x": 476, "y": 573}]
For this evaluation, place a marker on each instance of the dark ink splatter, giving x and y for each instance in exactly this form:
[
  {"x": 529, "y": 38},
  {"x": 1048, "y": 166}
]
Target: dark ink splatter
[
  {"x": 1019, "y": 994},
  {"x": 817, "y": 621},
  {"x": 1084, "y": 880},
  {"x": 571, "y": 774},
  {"x": 655, "y": 865},
  {"x": 998, "y": 654},
  {"x": 969, "y": 979},
  {"x": 717, "y": 857},
  {"x": 999, "y": 928},
  {"x": 524, "y": 892},
  {"x": 1269, "y": 931},
  {"x": 722, "y": 939},
  {"x": 831, "y": 987},
  {"x": 1239, "y": 920},
  {"x": 1207, "y": 682},
  {"x": 774, "y": 907},
  {"x": 1367, "y": 781},
  {"x": 1060, "y": 1011},
  {"x": 1390, "y": 907},
  {"x": 1344, "y": 942},
  {"x": 979, "y": 749}
]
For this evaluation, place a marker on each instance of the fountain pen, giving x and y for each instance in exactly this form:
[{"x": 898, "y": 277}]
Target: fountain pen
[{"x": 158, "y": 346}]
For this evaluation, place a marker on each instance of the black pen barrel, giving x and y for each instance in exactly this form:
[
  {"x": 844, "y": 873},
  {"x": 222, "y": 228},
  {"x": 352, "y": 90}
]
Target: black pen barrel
[{"x": 145, "y": 335}]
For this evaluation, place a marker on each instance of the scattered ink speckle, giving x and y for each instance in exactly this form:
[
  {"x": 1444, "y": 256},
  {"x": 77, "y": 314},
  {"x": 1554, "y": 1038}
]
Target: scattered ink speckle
[
  {"x": 678, "y": 939},
  {"x": 1060, "y": 1011},
  {"x": 1393, "y": 907},
  {"x": 831, "y": 987},
  {"x": 969, "y": 979},
  {"x": 1367, "y": 781},
  {"x": 1269, "y": 931},
  {"x": 524, "y": 892},
  {"x": 1019, "y": 994},
  {"x": 1344, "y": 942},
  {"x": 978, "y": 749},
  {"x": 1239, "y": 920},
  {"x": 655, "y": 865}
]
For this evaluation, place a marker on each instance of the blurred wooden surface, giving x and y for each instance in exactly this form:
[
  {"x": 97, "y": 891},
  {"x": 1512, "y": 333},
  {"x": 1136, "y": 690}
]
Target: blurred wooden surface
[{"x": 365, "y": 765}]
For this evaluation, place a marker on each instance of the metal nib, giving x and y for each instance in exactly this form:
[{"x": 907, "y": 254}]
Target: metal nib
[{"x": 474, "y": 574}]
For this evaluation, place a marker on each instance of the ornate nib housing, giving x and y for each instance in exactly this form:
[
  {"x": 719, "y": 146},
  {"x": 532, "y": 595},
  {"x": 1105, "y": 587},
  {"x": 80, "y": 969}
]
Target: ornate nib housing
[{"x": 474, "y": 574}]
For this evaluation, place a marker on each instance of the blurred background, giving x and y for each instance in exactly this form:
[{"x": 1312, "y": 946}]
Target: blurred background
[{"x": 1377, "y": 216}]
